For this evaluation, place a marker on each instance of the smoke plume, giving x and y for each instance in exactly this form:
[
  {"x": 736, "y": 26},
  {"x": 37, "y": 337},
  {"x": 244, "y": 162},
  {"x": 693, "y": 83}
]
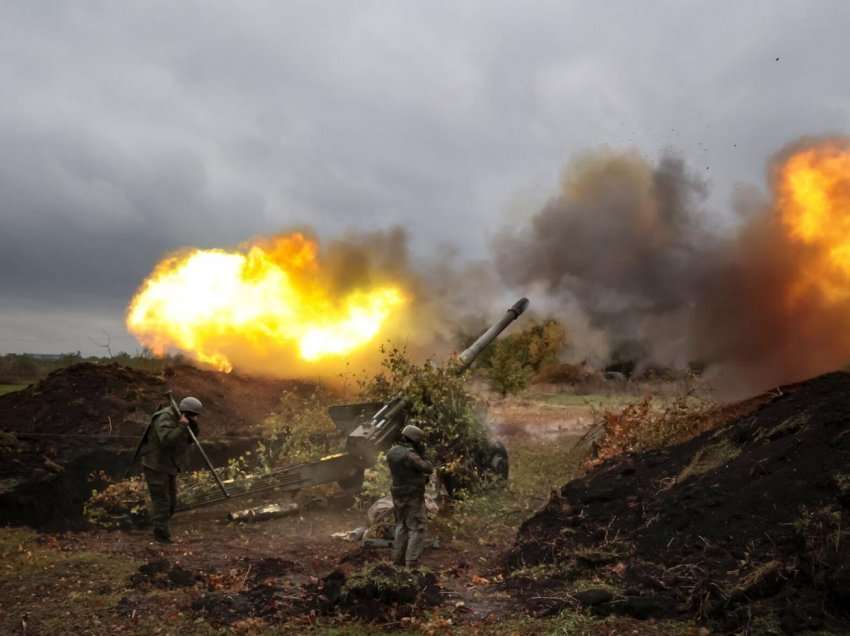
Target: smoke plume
[
  {"x": 626, "y": 242},
  {"x": 624, "y": 254}
]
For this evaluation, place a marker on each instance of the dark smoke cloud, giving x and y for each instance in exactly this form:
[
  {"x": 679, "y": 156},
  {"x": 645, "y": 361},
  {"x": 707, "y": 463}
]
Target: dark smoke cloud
[
  {"x": 624, "y": 240},
  {"x": 625, "y": 244}
]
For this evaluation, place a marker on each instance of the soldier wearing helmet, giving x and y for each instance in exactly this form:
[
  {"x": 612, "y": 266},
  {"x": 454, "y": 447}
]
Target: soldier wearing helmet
[
  {"x": 410, "y": 473},
  {"x": 165, "y": 451}
]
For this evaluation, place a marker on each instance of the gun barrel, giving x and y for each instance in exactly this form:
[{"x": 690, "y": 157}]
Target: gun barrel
[
  {"x": 369, "y": 437},
  {"x": 467, "y": 357}
]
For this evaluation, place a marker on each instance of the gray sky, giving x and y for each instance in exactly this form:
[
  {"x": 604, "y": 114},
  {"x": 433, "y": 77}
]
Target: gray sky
[{"x": 130, "y": 129}]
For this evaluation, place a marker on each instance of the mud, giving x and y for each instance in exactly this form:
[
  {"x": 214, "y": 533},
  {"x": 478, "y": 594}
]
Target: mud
[{"x": 731, "y": 528}]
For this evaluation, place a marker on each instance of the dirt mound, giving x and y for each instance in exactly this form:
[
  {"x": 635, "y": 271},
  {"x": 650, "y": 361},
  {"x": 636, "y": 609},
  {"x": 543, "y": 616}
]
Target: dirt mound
[
  {"x": 233, "y": 404},
  {"x": 380, "y": 593},
  {"x": 162, "y": 574},
  {"x": 83, "y": 398},
  {"x": 740, "y": 527},
  {"x": 383, "y": 592},
  {"x": 110, "y": 399},
  {"x": 77, "y": 429},
  {"x": 273, "y": 567}
]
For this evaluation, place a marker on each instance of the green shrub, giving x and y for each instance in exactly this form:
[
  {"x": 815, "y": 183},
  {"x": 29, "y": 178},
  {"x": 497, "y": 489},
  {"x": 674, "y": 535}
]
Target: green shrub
[
  {"x": 510, "y": 363},
  {"x": 507, "y": 372},
  {"x": 299, "y": 430},
  {"x": 439, "y": 399},
  {"x": 376, "y": 483}
]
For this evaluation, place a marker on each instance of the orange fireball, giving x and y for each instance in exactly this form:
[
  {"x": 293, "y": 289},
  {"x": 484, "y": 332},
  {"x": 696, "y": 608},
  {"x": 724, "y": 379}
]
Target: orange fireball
[
  {"x": 274, "y": 295},
  {"x": 813, "y": 188}
]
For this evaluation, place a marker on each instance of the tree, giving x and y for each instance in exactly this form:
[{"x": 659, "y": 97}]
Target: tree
[
  {"x": 105, "y": 343},
  {"x": 508, "y": 371},
  {"x": 544, "y": 342},
  {"x": 513, "y": 360}
]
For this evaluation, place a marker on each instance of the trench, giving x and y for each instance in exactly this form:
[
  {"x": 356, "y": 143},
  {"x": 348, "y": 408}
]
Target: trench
[{"x": 53, "y": 501}]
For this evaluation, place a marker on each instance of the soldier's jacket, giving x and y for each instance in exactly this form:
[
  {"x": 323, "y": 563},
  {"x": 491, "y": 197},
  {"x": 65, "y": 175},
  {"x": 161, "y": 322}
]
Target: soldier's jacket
[
  {"x": 166, "y": 446},
  {"x": 409, "y": 471}
]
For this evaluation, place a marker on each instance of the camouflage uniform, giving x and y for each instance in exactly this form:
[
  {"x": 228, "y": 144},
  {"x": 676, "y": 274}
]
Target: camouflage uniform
[
  {"x": 164, "y": 453},
  {"x": 410, "y": 474}
]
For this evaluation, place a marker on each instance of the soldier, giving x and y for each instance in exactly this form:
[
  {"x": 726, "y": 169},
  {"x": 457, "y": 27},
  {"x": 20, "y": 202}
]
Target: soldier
[
  {"x": 164, "y": 454},
  {"x": 410, "y": 473}
]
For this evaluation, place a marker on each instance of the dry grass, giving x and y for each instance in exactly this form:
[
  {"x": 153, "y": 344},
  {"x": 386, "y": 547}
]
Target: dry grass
[{"x": 650, "y": 423}]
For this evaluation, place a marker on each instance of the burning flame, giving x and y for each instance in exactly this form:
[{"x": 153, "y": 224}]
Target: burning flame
[
  {"x": 274, "y": 295},
  {"x": 814, "y": 206}
]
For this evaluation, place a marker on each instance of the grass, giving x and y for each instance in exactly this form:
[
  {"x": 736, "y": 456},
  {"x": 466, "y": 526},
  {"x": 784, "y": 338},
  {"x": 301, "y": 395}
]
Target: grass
[
  {"x": 491, "y": 517},
  {"x": 708, "y": 458},
  {"x": 579, "y": 623},
  {"x": 11, "y": 388},
  {"x": 36, "y": 573},
  {"x": 48, "y": 588},
  {"x": 35, "y": 578},
  {"x": 599, "y": 400}
]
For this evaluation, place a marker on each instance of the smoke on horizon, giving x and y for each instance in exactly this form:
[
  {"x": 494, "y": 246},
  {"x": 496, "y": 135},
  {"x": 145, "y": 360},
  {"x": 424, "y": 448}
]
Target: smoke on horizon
[{"x": 626, "y": 246}]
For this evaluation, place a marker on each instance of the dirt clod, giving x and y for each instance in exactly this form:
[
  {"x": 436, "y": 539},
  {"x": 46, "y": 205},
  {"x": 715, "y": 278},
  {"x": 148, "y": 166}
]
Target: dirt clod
[
  {"x": 273, "y": 567},
  {"x": 162, "y": 574}
]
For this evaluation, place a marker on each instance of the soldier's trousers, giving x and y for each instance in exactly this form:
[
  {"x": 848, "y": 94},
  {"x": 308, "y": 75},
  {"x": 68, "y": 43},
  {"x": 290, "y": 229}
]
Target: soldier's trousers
[
  {"x": 410, "y": 520},
  {"x": 163, "y": 491}
]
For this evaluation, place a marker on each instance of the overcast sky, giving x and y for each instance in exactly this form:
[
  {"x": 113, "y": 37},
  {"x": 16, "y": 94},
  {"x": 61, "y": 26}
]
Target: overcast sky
[{"x": 129, "y": 129}]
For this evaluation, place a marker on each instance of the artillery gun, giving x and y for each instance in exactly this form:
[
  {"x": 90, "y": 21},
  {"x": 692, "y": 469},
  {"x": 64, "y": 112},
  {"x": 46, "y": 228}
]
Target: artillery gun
[{"x": 370, "y": 428}]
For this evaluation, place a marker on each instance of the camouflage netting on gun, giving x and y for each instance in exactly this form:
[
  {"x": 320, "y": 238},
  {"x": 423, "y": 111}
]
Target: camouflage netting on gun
[{"x": 450, "y": 415}]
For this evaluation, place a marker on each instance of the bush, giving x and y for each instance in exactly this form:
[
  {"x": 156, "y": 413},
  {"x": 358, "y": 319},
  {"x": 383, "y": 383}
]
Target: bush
[
  {"x": 121, "y": 504},
  {"x": 507, "y": 372},
  {"x": 511, "y": 362},
  {"x": 300, "y": 430},
  {"x": 650, "y": 423},
  {"x": 30, "y": 368},
  {"x": 544, "y": 343},
  {"x": 377, "y": 482},
  {"x": 438, "y": 398},
  {"x": 19, "y": 369}
]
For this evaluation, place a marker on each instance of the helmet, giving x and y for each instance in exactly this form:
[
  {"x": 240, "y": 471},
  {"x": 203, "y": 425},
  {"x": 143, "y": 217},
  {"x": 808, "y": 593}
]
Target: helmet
[
  {"x": 191, "y": 405},
  {"x": 413, "y": 433}
]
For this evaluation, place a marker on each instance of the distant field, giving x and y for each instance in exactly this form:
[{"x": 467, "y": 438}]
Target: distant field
[
  {"x": 9, "y": 388},
  {"x": 593, "y": 399}
]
